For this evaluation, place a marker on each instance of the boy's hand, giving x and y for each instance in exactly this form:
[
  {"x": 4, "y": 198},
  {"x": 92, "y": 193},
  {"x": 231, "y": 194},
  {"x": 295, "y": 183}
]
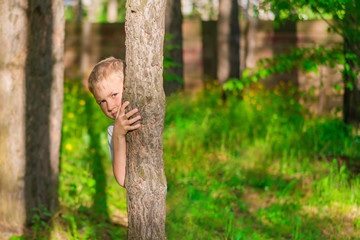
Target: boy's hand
[{"x": 122, "y": 121}]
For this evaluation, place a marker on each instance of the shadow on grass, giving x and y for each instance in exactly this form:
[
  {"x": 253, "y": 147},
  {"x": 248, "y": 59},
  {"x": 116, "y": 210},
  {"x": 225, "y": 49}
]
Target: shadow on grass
[
  {"x": 352, "y": 164},
  {"x": 99, "y": 210}
]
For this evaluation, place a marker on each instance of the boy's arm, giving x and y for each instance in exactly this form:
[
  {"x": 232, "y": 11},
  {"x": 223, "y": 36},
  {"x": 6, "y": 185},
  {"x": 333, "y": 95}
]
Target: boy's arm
[
  {"x": 119, "y": 162},
  {"x": 121, "y": 127}
]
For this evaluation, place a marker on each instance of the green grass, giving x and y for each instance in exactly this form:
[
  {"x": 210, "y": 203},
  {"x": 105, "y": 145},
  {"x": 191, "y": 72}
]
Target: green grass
[{"x": 256, "y": 167}]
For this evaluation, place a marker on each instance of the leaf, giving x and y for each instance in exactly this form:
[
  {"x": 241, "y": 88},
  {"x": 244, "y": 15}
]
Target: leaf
[
  {"x": 337, "y": 87},
  {"x": 254, "y": 79},
  {"x": 310, "y": 66},
  {"x": 245, "y": 73},
  {"x": 233, "y": 84},
  {"x": 263, "y": 73},
  {"x": 172, "y": 77},
  {"x": 279, "y": 68},
  {"x": 312, "y": 91},
  {"x": 239, "y": 86},
  {"x": 68, "y": 217},
  {"x": 47, "y": 214},
  {"x": 350, "y": 86}
]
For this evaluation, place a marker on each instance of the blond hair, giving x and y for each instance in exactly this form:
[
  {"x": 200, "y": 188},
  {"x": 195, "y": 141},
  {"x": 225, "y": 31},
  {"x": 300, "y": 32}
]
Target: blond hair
[{"x": 104, "y": 69}]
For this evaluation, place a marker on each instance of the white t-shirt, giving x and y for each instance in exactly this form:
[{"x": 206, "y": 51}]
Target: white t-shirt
[{"x": 110, "y": 140}]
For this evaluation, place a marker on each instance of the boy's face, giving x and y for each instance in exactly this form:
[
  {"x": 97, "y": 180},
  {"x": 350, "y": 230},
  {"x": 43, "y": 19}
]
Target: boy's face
[{"x": 108, "y": 94}]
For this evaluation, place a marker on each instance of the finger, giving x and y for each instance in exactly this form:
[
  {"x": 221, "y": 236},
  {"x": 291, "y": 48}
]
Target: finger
[
  {"x": 119, "y": 104},
  {"x": 132, "y": 112},
  {"x": 130, "y": 128},
  {"x": 137, "y": 118},
  {"x": 125, "y": 104},
  {"x": 122, "y": 108},
  {"x": 118, "y": 113}
]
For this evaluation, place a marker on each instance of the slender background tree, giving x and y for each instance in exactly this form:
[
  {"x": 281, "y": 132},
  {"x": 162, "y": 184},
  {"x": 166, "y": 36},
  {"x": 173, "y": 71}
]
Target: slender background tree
[
  {"x": 174, "y": 50},
  {"x": 228, "y": 35}
]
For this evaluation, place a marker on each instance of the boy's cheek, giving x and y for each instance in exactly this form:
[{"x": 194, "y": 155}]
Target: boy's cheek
[{"x": 104, "y": 111}]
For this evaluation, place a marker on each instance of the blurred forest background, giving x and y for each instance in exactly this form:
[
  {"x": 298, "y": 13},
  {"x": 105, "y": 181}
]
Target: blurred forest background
[{"x": 261, "y": 133}]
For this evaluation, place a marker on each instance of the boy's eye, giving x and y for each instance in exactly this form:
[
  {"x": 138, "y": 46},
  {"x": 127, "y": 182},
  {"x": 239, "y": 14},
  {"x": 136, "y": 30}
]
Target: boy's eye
[
  {"x": 101, "y": 102},
  {"x": 114, "y": 94}
]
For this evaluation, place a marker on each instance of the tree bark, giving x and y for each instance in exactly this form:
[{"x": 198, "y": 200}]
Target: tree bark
[
  {"x": 112, "y": 11},
  {"x": 234, "y": 40},
  {"x": 79, "y": 11},
  {"x": 228, "y": 34},
  {"x": 12, "y": 119},
  {"x": 223, "y": 43},
  {"x": 351, "y": 94},
  {"x": 351, "y": 75},
  {"x": 250, "y": 37},
  {"x": 31, "y": 67},
  {"x": 173, "y": 27},
  {"x": 145, "y": 178},
  {"x": 209, "y": 51}
]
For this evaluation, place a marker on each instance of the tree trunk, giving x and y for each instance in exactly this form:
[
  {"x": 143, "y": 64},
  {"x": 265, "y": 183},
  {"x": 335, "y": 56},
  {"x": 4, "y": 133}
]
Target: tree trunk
[
  {"x": 351, "y": 94},
  {"x": 223, "y": 43},
  {"x": 250, "y": 37},
  {"x": 79, "y": 11},
  {"x": 209, "y": 51},
  {"x": 145, "y": 178},
  {"x": 234, "y": 40},
  {"x": 31, "y": 66},
  {"x": 173, "y": 26},
  {"x": 228, "y": 34},
  {"x": 112, "y": 11},
  {"x": 285, "y": 39},
  {"x": 351, "y": 75}
]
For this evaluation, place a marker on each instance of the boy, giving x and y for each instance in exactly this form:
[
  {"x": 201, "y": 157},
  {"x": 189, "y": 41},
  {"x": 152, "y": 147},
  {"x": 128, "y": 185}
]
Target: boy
[{"x": 106, "y": 83}]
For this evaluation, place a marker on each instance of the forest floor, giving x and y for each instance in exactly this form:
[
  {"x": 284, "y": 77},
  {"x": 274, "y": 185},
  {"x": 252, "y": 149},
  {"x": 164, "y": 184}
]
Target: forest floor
[{"x": 259, "y": 166}]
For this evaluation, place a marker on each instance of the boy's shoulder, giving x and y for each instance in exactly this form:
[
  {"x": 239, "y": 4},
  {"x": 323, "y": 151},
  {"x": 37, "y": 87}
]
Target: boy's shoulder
[{"x": 110, "y": 129}]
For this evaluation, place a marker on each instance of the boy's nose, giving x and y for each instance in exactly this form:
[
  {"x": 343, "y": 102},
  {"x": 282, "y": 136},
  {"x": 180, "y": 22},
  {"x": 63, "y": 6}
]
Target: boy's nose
[{"x": 111, "y": 105}]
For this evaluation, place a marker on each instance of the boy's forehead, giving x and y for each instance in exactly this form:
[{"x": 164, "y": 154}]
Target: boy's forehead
[
  {"x": 111, "y": 81},
  {"x": 103, "y": 88}
]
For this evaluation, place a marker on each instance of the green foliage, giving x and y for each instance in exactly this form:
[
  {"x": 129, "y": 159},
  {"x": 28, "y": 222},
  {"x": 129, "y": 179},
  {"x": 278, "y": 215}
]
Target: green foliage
[
  {"x": 14, "y": 237},
  {"x": 38, "y": 223},
  {"x": 217, "y": 156},
  {"x": 69, "y": 14},
  {"x": 101, "y": 14},
  {"x": 344, "y": 20},
  {"x": 168, "y": 62},
  {"x": 304, "y": 59},
  {"x": 325, "y": 9},
  {"x": 73, "y": 226},
  {"x": 345, "y": 15}
]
